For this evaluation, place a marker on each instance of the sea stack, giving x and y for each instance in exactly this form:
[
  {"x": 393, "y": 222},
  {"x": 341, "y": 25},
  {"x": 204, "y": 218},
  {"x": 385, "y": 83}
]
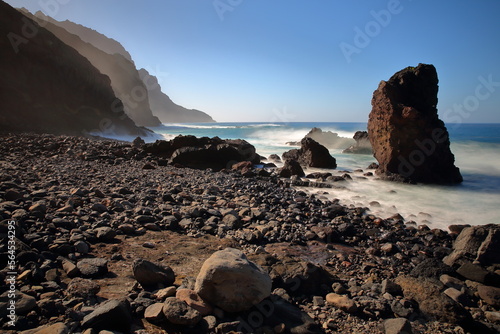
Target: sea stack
[{"x": 409, "y": 141}]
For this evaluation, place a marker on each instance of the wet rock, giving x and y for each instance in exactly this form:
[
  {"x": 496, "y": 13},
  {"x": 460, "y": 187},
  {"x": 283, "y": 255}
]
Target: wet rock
[
  {"x": 291, "y": 168},
  {"x": 230, "y": 281},
  {"x": 113, "y": 314},
  {"x": 180, "y": 313},
  {"x": 93, "y": 267},
  {"x": 404, "y": 126},
  {"x": 151, "y": 275}
]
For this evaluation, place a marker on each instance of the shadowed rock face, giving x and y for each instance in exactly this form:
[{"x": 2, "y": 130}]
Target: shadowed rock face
[
  {"x": 125, "y": 80},
  {"x": 47, "y": 86},
  {"x": 409, "y": 141}
]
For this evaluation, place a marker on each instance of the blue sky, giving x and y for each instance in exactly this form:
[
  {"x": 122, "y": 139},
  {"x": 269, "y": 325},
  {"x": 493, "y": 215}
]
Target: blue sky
[{"x": 283, "y": 60}]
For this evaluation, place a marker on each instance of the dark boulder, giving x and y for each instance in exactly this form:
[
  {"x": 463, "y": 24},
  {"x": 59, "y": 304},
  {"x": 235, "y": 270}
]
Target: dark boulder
[
  {"x": 409, "y": 140},
  {"x": 202, "y": 153},
  {"x": 48, "y": 87},
  {"x": 311, "y": 154},
  {"x": 290, "y": 168}
]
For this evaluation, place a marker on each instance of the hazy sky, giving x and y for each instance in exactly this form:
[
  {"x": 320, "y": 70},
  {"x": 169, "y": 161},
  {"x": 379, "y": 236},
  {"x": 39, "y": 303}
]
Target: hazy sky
[{"x": 291, "y": 60}]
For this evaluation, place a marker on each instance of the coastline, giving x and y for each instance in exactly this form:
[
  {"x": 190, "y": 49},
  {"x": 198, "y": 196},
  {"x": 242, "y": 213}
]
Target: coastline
[{"x": 62, "y": 190}]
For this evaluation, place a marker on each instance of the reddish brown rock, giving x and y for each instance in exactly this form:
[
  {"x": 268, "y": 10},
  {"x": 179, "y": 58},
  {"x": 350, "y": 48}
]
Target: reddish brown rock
[{"x": 409, "y": 140}]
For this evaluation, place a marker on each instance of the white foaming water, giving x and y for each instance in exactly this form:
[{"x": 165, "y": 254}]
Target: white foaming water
[
  {"x": 474, "y": 202},
  {"x": 153, "y": 136}
]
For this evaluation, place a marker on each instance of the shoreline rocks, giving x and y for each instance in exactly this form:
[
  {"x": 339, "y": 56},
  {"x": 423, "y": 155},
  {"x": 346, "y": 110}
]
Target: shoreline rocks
[{"x": 308, "y": 246}]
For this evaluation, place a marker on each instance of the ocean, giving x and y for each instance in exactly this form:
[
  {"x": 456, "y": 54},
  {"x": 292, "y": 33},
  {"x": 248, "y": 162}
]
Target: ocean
[{"x": 477, "y": 153}]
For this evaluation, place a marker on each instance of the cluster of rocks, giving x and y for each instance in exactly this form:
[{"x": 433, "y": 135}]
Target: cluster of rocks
[{"x": 303, "y": 263}]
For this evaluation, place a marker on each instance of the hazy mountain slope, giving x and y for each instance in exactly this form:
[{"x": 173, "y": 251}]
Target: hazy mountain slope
[
  {"x": 47, "y": 86},
  {"x": 164, "y": 108},
  {"x": 124, "y": 77},
  {"x": 95, "y": 38}
]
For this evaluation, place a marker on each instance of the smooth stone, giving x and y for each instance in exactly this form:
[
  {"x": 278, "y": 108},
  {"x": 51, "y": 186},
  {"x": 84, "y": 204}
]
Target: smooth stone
[{"x": 230, "y": 281}]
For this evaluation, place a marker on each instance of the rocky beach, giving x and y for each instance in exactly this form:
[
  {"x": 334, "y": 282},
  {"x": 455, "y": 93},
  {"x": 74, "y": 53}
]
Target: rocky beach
[{"x": 112, "y": 237}]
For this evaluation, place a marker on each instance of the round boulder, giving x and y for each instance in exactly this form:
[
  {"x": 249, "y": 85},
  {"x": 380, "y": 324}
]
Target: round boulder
[{"x": 230, "y": 281}]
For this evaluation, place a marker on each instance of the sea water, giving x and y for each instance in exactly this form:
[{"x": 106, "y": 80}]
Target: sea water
[{"x": 477, "y": 153}]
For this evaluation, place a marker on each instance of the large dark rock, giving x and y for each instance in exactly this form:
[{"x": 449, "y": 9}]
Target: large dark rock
[
  {"x": 49, "y": 87},
  {"x": 204, "y": 152},
  {"x": 311, "y": 154},
  {"x": 409, "y": 141},
  {"x": 290, "y": 168},
  {"x": 362, "y": 145}
]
